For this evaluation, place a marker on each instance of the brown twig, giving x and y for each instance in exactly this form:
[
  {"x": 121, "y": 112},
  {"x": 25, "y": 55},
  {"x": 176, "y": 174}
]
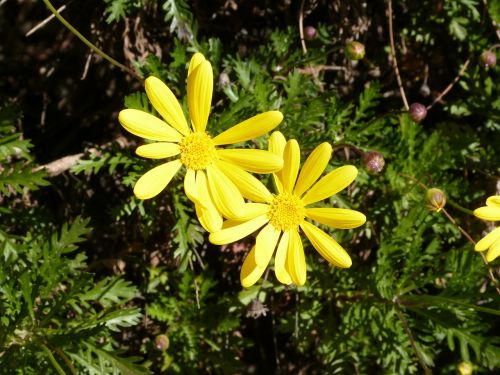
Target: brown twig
[
  {"x": 45, "y": 21},
  {"x": 471, "y": 240},
  {"x": 393, "y": 53},
  {"x": 410, "y": 336},
  {"x": 58, "y": 166},
  {"x": 301, "y": 27},
  {"x": 315, "y": 70},
  {"x": 450, "y": 86}
]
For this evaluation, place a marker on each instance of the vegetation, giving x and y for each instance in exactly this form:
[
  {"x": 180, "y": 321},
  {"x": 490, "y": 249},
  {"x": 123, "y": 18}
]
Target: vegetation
[{"x": 96, "y": 281}]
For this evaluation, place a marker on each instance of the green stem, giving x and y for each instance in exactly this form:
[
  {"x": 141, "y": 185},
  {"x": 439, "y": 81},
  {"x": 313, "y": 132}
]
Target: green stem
[
  {"x": 413, "y": 343},
  {"x": 88, "y": 43},
  {"x": 460, "y": 208},
  {"x": 47, "y": 351}
]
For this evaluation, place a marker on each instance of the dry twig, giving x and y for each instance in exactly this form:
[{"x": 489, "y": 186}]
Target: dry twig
[
  {"x": 450, "y": 86},
  {"x": 45, "y": 21},
  {"x": 393, "y": 53}
]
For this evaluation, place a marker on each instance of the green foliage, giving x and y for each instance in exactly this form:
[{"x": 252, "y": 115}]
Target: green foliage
[
  {"x": 53, "y": 311},
  {"x": 76, "y": 299},
  {"x": 16, "y": 171}
]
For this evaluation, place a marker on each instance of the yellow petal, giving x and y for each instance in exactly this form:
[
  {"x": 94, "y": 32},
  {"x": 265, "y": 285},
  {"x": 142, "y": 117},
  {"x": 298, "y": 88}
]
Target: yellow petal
[
  {"x": 158, "y": 150},
  {"x": 258, "y": 161},
  {"x": 190, "y": 186},
  {"x": 252, "y": 128},
  {"x": 296, "y": 259},
  {"x": 225, "y": 194},
  {"x": 249, "y": 186},
  {"x": 280, "y": 260},
  {"x": 291, "y": 165},
  {"x": 199, "y": 91},
  {"x": 238, "y": 231},
  {"x": 265, "y": 245},
  {"x": 250, "y": 271},
  {"x": 167, "y": 105},
  {"x": 493, "y": 201},
  {"x": 488, "y": 240},
  {"x": 147, "y": 126},
  {"x": 155, "y": 180},
  {"x": 490, "y": 213},
  {"x": 313, "y": 168},
  {"x": 277, "y": 183},
  {"x": 208, "y": 215},
  {"x": 336, "y": 217},
  {"x": 196, "y": 60},
  {"x": 276, "y": 145},
  {"x": 493, "y": 252},
  {"x": 326, "y": 246},
  {"x": 252, "y": 210},
  {"x": 331, "y": 184}
]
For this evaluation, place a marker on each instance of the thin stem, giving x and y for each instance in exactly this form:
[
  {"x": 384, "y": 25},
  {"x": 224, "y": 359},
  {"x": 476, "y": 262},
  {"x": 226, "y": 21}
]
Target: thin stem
[
  {"x": 301, "y": 27},
  {"x": 471, "y": 240},
  {"x": 410, "y": 336},
  {"x": 393, "y": 53},
  {"x": 88, "y": 43},
  {"x": 460, "y": 208},
  {"x": 450, "y": 86},
  {"x": 454, "y": 222},
  {"x": 53, "y": 361}
]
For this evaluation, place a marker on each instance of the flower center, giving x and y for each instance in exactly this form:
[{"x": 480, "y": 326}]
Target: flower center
[
  {"x": 197, "y": 150},
  {"x": 286, "y": 211}
]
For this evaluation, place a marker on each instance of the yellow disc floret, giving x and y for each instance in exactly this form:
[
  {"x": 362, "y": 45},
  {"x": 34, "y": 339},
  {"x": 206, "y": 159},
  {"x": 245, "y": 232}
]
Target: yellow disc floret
[
  {"x": 197, "y": 150},
  {"x": 286, "y": 211}
]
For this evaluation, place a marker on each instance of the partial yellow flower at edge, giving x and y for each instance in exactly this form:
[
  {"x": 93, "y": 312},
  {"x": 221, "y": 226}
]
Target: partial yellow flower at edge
[
  {"x": 280, "y": 217},
  {"x": 216, "y": 194},
  {"x": 491, "y": 241}
]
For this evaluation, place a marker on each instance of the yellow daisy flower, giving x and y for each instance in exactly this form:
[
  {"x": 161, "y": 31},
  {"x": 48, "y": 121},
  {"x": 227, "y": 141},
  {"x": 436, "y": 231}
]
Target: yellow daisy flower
[
  {"x": 491, "y": 241},
  {"x": 280, "y": 215},
  {"x": 214, "y": 176}
]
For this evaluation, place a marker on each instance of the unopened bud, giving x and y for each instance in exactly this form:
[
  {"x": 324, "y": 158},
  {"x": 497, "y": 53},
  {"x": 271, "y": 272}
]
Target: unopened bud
[
  {"x": 373, "y": 161},
  {"x": 465, "y": 368},
  {"x": 310, "y": 33},
  {"x": 162, "y": 342},
  {"x": 436, "y": 199},
  {"x": 488, "y": 59},
  {"x": 417, "y": 112},
  {"x": 354, "y": 50}
]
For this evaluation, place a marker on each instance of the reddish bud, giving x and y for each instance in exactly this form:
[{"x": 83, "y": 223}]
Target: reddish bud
[
  {"x": 310, "y": 33},
  {"x": 373, "y": 161},
  {"x": 488, "y": 59},
  {"x": 417, "y": 112}
]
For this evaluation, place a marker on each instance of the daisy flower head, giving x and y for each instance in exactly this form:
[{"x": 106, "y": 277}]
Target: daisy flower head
[
  {"x": 280, "y": 216},
  {"x": 212, "y": 174},
  {"x": 491, "y": 241}
]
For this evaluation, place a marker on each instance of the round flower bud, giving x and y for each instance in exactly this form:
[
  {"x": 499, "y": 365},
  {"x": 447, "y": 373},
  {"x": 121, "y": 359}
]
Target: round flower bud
[
  {"x": 436, "y": 199},
  {"x": 354, "y": 50},
  {"x": 162, "y": 342},
  {"x": 417, "y": 112},
  {"x": 310, "y": 33},
  {"x": 373, "y": 161},
  {"x": 465, "y": 368},
  {"x": 488, "y": 59}
]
